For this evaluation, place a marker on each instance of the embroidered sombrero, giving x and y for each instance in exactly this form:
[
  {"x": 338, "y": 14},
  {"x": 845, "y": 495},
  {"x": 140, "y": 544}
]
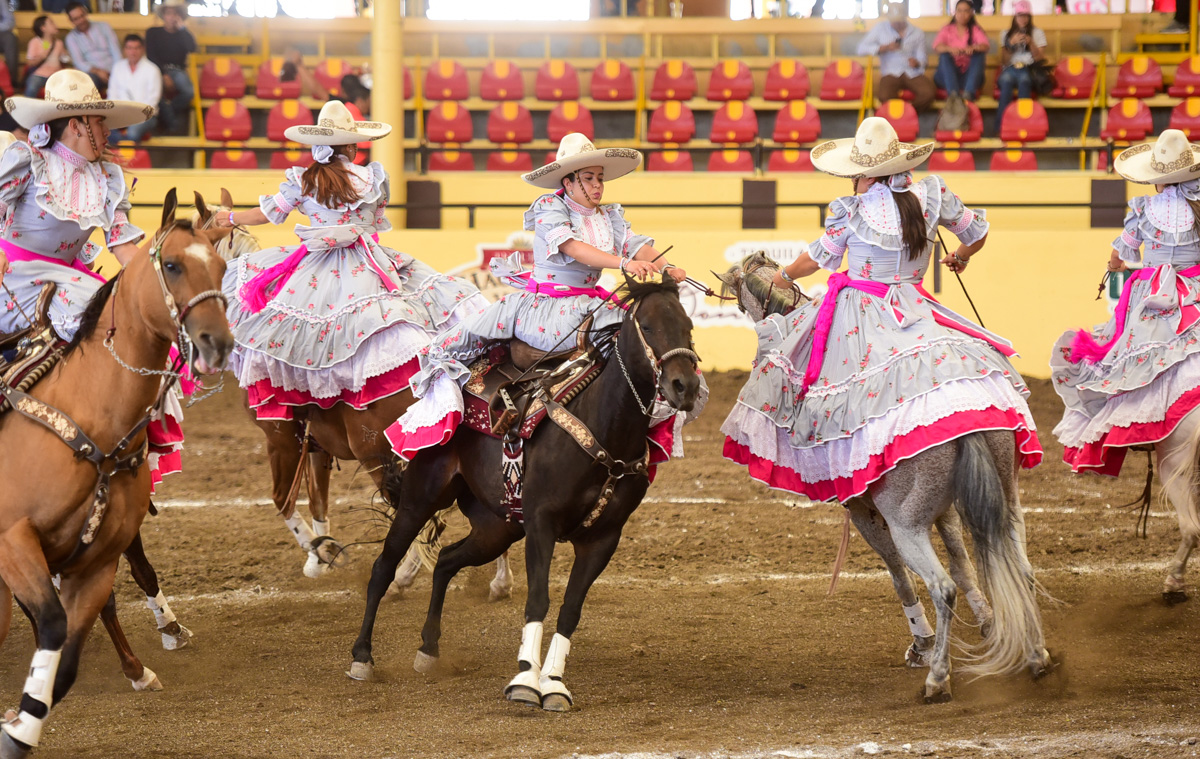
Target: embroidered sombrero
[
  {"x": 70, "y": 92},
  {"x": 1170, "y": 160},
  {"x": 336, "y": 126},
  {"x": 874, "y": 151},
  {"x": 577, "y": 152}
]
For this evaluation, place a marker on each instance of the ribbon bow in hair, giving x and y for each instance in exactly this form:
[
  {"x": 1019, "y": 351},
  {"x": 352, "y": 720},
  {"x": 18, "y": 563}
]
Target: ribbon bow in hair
[
  {"x": 1190, "y": 189},
  {"x": 901, "y": 182},
  {"x": 39, "y": 136},
  {"x": 322, "y": 153}
]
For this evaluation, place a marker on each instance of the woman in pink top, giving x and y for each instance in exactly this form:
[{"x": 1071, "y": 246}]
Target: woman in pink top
[
  {"x": 44, "y": 55},
  {"x": 962, "y": 48}
]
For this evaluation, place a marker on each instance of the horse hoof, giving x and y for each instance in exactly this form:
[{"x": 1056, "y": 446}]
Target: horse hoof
[
  {"x": 939, "y": 698},
  {"x": 1174, "y": 597},
  {"x": 985, "y": 629},
  {"x": 424, "y": 663},
  {"x": 173, "y": 641},
  {"x": 916, "y": 659},
  {"x": 498, "y": 592},
  {"x": 361, "y": 670},
  {"x": 328, "y": 550},
  {"x": 313, "y": 568},
  {"x": 523, "y": 694},
  {"x": 556, "y": 702},
  {"x": 148, "y": 682},
  {"x": 10, "y": 748}
]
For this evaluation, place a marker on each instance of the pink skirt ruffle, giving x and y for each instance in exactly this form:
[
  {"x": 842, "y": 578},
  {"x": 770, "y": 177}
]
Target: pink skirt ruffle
[
  {"x": 275, "y": 403},
  {"x": 1106, "y": 455}
]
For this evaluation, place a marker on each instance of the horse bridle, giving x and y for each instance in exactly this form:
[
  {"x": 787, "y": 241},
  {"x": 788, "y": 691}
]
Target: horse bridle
[{"x": 656, "y": 363}]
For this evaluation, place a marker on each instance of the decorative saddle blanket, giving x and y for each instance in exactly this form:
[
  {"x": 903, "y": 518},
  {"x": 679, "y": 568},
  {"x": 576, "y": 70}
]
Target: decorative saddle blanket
[{"x": 30, "y": 354}]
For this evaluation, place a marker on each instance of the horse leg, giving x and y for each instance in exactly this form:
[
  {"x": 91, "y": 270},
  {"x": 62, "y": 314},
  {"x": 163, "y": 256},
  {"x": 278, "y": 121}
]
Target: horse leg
[
  {"x": 874, "y": 529},
  {"x": 501, "y": 585},
  {"x": 949, "y": 526},
  {"x": 324, "y": 548},
  {"x": 525, "y": 688},
  {"x": 283, "y": 452},
  {"x": 1176, "y": 458},
  {"x": 174, "y": 635},
  {"x": 142, "y": 677},
  {"x": 5, "y": 611}
]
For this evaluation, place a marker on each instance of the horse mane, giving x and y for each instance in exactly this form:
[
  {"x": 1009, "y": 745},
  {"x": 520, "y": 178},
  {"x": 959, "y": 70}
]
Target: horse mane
[
  {"x": 749, "y": 273},
  {"x": 635, "y": 290},
  {"x": 91, "y": 314}
]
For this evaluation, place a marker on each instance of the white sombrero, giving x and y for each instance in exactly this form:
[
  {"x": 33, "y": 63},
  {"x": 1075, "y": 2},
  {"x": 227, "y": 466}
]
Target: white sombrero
[
  {"x": 1170, "y": 160},
  {"x": 577, "y": 152},
  {"x": 70, "y": 92},
  {"x": 874, "y": 151},
  {"x": 179, "y": 5},
  {"x": 336, "y": 126}
]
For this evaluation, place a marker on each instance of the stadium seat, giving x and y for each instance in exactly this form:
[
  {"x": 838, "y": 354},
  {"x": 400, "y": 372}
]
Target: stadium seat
[
  {"x": 501, "y": 80},
  {"x": 227, "y": 120},
  {"x": 234, "y": 157},
  {"x": 509, "y": 160},
  {"x": 451, "y": 160},
  {"x": 1014, "y": 160},
  {"x": 786, "y": 80},
  {"x": 672, "y": 122},
  {"x": 789, "y": 160},
  {"x": 843, "y": 80},
  {"x": 222, "y": 78},
  {"x": 1186, "y": 118},
  {"x": 670, "y": 160},
  {"x": 1138, "y": 77},
  {"x": 734, "y": 122},
  {"x": 510, "y": 122},
  {"x": 673, "y": 80},
  {"x": 133, "y": 157},
  {"x": 973, "y": 132},
  {"x": 730, "y": 80},
  {"x": 730, "y": 160},
  {"x": 329, "y": 73},
  {"x": 567, "y": 118},
  {"x": 951, "y": 160},
  {"x": 798, "y": 121},
  {"x": 449, "y": 122},
  {"x": 903, "y": 118},
  {"x": 612, "y": 81},
  {"x": 446, "y": 80},
  {"x": 557, "y": 80},
  {"x": 5, "y": 79},
  {"x": 286, "y": 159},
  {"x": 284, "y": 114},
  {"x": 1187, "y": 79},
  {"x": 269, "y": 86},
  {"x": 1128, "y": 120},
  {"x": 1074, "y": 78},
  {"x": 1025, "y": 121}
]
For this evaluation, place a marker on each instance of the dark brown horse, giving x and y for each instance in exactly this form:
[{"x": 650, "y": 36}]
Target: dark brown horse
[
  {"x": 60, "y": 512},
  {"x": 563, "y": 485}
]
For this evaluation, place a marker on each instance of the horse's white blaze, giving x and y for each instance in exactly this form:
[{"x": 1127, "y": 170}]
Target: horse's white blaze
[{"x": 202, "y": 252}]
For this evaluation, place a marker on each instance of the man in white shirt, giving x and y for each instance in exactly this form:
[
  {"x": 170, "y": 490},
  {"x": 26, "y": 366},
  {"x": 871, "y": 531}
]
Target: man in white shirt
[
  {"x": 135, "y": 78},
  {"x": 902, "y": 57}
]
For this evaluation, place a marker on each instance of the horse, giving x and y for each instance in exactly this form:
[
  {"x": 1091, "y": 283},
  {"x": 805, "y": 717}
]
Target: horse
[
  {"x": 977, "y": 474},
  {"x": 75, "y": 507},
  {"x": 566, "y": 495}
]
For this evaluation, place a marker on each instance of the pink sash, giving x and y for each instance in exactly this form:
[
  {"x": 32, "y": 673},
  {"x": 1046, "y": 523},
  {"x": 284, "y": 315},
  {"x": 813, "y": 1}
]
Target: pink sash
[
  {"x": 16, "y": 253},
  {"x": 1085, "y": 347},
  {"x": 265, "y": 285}
]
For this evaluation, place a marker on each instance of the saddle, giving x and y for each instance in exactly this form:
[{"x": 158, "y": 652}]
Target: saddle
[{"x": 26, "y": 356}]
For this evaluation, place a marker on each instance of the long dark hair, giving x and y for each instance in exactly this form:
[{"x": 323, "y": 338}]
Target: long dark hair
[
  {"x": 1195, "y": 206},
  {"x": 1015, "y": 28},
  {"x": 970, "y": 22},
  {"x": 912, "y": 223},
  {"x": 331, "y": 181}
]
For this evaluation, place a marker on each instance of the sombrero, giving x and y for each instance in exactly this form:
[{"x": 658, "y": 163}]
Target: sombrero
[
  {"x": 179, "y": 5},
  {"x": 1170, "y": 160},
  {"x": 70, "y": 92},
  {"x": 576, "y": 152},
  {"x": 874, "y": 151},
  {"x": 336, "y": 126}
]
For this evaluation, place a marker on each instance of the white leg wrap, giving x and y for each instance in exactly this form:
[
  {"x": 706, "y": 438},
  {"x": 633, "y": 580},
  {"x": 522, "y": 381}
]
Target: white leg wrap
[
  {"x": 979, "y": 604},
  {"x": 556, "y": 657},
  {"x": 320, "y": 528},
  {"x": 40, "y": 687},
  {"x": 917, "y": 624},
  {"x": 162, "y": 611},
  {"x": 531, "y": 646},
  {"x": 301, "y": 531}
]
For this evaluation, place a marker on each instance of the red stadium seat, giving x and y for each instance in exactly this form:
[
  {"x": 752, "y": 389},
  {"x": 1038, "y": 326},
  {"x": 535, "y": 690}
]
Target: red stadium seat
[
  {"x": 451, "y": 160},
  {"x": 510, "y": 122},
  {"x": 284, "y": 114},
  {"x": 233, "y": 157},
  {"x": 449, "y": 122},
  {"x": 1187, "y": 79},
  {"x": 786, "y": 80},
  {"x": 789, "y": 160},
  {"x": 973, "y": 132},
  {"x": 1074, "y": 78},
  {"x": 730, "y": 80},
  {"x": 734, "y": 122},
  {"x": 612, "y": 81},
  {"x": 286, "y": 159},
  {"x": 903, "y": 118},
  {"x": 133, "y": 157},
  {"x": 1138, "y": 77},
  {"x": 329, "y": 73},
  {"x": 501, "y": 80},
  {"x": 798, "y": 121},
  {"x": 1128, "y": 120},
  {"x": 269, "y": 86},
  {"x": 446, "y": 80},
  {"x": 557, "y": 80},
  {"x": 672, "y": 122},
  {"x": 227, "y": 120},
  {"x": 1186, "y": 118},
  {"x": 1014, "y": 160},
  {"x": 5, "y": 79},
  {"x": 509, "y": 160},
  {"x": 222, "y": 78},
  {"x": 567, "y": 118},
  {"x": 1025, "y": 121},
  {"x": 951, "y": 160},
  {"x": 730, "y": 160},
  {"x": 673, "y": 80},
  {"x": 670, "y": 160},
  {"x": 843, "y": 80}
]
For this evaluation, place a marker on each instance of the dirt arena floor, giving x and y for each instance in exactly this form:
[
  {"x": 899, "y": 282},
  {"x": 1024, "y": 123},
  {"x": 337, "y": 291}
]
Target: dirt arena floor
[{"x": 710, "y": 634}]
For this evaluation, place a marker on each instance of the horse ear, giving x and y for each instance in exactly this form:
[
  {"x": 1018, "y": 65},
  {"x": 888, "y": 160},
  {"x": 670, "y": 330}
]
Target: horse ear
[
  {"x": 201, "y": 207},
  {"x": 226, "y": 199},
  {"x": 726, "y": 279},
  {"x": 169, "y": 205}
]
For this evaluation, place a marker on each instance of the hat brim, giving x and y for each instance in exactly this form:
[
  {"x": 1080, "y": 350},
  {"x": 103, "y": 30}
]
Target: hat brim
[
  {"x": 833, "y": 157},
  {"x": 118, "y": 114},
  {"x": 616, "y": 162},
  {"x": 365, "y": 131},
  {"x": 1134, "y": 164}
]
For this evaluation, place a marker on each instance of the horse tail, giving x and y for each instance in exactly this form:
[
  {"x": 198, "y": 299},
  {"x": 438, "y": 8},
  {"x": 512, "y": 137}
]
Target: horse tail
[
  {"x": 428, "y": 543},
  {"x": 997, "y": 527}
]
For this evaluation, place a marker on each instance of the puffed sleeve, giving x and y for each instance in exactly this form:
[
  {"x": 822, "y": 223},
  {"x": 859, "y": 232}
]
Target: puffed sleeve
[
  {"x": 828, "y": 250},
  {"x": 626, "y": 241},
  {"x": 385, "y": 193},
  {"x": 15, "y": 174},
  {"x": 278, "y": 206},
  {"x": 550, "y": 223},
  {"x": 121, "y": 231},
  {"x": 969, "y": 225},
  {"x": 1129, "y": 242}
]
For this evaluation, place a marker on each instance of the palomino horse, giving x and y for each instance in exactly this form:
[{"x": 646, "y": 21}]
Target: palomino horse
[
  {"x": 566, "y": 476},
  {"x": 976, "y": 473},
  {"x": 73, "y": 453}
]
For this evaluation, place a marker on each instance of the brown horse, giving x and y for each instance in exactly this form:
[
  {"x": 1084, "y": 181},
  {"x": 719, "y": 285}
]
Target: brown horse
[{"x": 74, "y": 514}]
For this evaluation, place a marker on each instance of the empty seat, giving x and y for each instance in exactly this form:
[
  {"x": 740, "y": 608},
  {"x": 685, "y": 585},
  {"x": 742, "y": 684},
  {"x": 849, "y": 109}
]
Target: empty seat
[
  {"x": 270, "y": 85},
  {"x": 798, "y": 121},
  {"x": 730, "y": 80},
  {"x": 329, "y": 73},
  {"x": 1074, "y": 78},
  {"x": 569, "y": 117},
  {"x": 133, "y": 157},
  {"x": 951, "y": 160},
  {"x": 1128, "y": 120},
  {"x": 446, "y": 80},
  {"x": 449, "y": 122},
  {"x": 973, "y": 132},
  {"x": 510, "y": 122},
  {"x": 557, "y": 80},
  {"x": 1186, "y": 118},
  {"x": 730, "y": 160},
  {"x": 1014, "y": 159},
  {"x": 903, "y": 118},
  {"x": 734, "y": 122},
  {"x": 284, "y": 114},
  {"x": 222, "y": 78},
  {"x": 670, "y": 160},
  {"x": 1024, "y": 120},
  {"x": 501, "y": 80},
  {"x": 234, "y": 157},
  {"x": 673, "y": 80},
  {"x": 286, "y": 159},
  {"x": 786, "y": 80},
  {"x": 843, "y": 80},
  {"x": 451, "y": 160},
  {"x": 789, "y": 160},
  {"x": 1138, "y": 77},
  {"x": 672, "y": 122},
  {"x": 227, "y": 120},
  {"x": 612, "y": 81},
  {"x": 1187, "y": 79},
  {"x": 510, "y": 160}
]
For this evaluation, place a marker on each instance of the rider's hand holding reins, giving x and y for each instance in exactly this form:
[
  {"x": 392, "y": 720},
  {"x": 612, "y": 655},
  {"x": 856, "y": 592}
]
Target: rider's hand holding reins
[
  {"x": 803, "y": 266},
  {"x": 1115, "y": 264},
  {"x": 3, "y": 266},
  {"x": 957, "y": 261}
]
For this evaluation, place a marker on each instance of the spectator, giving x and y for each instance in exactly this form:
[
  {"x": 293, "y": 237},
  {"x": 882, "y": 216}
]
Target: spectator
[
  {"x": 962, "y": 48},
  {"x": 45, "y": 55},
  {"x": 902, "y": 57},
  {"x": 357, "y": 98},
  {"x": 138, "y": 80},
  {"x": 294, "y": 69},
  {"x": 92, "y": 45},
  {"x": 1021, "y": 47},
  {"x": 8, "y": 40},
  {"x": 168, "y": 47}
]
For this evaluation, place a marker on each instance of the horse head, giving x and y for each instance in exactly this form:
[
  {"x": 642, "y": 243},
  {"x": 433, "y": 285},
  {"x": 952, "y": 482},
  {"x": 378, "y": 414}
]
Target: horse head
[
  {"x": 751, "y": 283},
  {"x": 658, "y": 329},
  {"x": 239, "y": 242}
]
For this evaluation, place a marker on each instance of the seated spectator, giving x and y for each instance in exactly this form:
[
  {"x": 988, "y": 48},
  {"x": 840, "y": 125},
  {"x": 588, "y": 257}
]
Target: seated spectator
[
  {"x": 1021, "y": 47},
  {"x": 92, "y": 45},
  {"x": 8, "y": 41},
  {"x": 168, "y": 47},
  {"x": 962, "y": 48},
  {"x": 136, "y": 79},
  {"x": 295, "y": 69},
  {"x": 45, "y": 55},
  {"x": 902, "y": 57}
]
